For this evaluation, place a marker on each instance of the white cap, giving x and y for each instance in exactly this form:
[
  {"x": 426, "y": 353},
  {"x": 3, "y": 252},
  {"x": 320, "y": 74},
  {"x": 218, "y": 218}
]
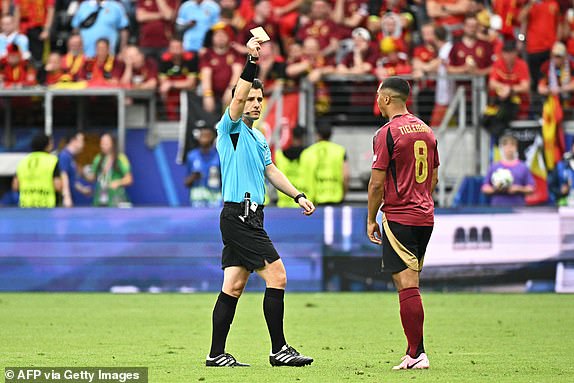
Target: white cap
[{"x": 361, "y": 32}]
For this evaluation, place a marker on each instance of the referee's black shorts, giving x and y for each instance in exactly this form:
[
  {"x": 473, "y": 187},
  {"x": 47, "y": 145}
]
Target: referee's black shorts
[
  {"x": 245, "y": 243},
  {"x": 404, "y": 246}
]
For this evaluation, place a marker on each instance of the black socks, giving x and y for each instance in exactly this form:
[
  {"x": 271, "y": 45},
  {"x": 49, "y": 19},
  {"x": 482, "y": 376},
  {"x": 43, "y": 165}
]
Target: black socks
[
  {"x": 223, "y": 314},
  {"x": 273, "y": 309}
]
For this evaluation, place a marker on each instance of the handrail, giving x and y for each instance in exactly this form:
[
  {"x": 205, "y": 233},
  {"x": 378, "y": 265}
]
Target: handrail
[
  {"x": 119, "y": 93},
  {"x": 182, "y": 126}
]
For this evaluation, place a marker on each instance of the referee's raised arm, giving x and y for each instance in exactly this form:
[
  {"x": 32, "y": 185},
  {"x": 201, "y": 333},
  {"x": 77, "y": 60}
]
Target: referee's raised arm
[{"x": 244, "y": 83}]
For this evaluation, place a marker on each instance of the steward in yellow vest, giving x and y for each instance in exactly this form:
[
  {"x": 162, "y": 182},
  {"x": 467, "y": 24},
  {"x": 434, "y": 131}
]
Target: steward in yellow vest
[
  {"x": 38, "y": 176},
  {"x": 326, "y": 174},
  {"x": 289, "y": 163}
]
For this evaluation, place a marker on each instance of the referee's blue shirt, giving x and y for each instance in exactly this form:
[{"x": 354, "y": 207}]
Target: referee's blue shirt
[{"x": 243, "y": 165}]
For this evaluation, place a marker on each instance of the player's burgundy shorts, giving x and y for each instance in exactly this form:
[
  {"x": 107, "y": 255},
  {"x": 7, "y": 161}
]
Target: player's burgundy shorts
[
  {"x": 245, "y": 243},
  {"x": 404, "y": 246}
]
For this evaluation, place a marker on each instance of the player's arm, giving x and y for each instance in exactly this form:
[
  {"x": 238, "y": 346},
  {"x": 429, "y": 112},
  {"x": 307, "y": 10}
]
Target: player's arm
[
  {"x": 376, "y": 195},
  {"x": 281, "y": 183},
  {"x": 66, "y": 191},
  {"x": 245, "y": 80},
  {"x": 434, "y": 179}
]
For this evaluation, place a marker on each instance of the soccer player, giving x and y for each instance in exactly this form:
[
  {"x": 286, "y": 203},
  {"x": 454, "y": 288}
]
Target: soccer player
[
  {"x": 404, "y": 174},
  {"x": 245, "y": 161}
]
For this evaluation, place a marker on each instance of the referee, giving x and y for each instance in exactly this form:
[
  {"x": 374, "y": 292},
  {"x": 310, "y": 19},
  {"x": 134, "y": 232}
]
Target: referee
[{"x": 245, "y": 161}]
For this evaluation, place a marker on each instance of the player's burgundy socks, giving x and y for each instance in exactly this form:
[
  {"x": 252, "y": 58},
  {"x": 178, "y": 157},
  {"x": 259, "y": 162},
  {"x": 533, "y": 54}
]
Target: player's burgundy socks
[
  {"x": 223, "y": 314},
  {"x": 412, "y": 318}
]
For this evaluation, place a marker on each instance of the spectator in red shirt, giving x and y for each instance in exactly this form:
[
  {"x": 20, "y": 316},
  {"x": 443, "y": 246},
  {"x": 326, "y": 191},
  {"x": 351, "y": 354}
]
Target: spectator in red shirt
[
  {"x": 509, "y": 82},
  {"x": 425, "y": 53},
  {"x": 363, "y": 58},
  {"x": 557, "y": 75},
  {"x": 449, "y": 14},
  {"x": 391, "y": 27},
  {"x": 350, "y": 14},
  {"x": 285, "y": 12},
  {"x": 271, "y": 66},
  {"x": 394, "y": 62},
  {"x": 321, "y": 28},
  {"x": 178, "y": 72},
  {"x": 231, "y": 15},
  {"x": 15, "y": 72},
  {"x": 570, "y": 31},
  {"x": 311, "y": 64},
  {"x": 541, "y": 18},
  {"x": 263, "y": 17},
  {"x": 488, "y": 30},
  {"x": 508, "y": 11},
  {"x": 470, "y": 55},
  {"x": 35, "y": 18},
  {"x": 155, "y": 19},
  {"x": 74, "y": 60},
  {"x": 140, "y": 72},
  {"x": 104, "y": 69},
  {"x": 220, "y": 68},
  {"x": 52, "y": 73},
  {"x": 425, "y": 60}
]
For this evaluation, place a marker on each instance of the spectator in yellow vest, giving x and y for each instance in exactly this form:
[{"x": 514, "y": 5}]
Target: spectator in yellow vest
[
  {"x": 38, "y": 176},
  {"x": 289, "y": 163},
  {"x": 326, "y": 169}
]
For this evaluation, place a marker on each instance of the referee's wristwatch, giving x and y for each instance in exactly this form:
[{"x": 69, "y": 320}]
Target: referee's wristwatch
[
  {"x": 300, "y": 195},
  {"x": 252, "y": 59}
]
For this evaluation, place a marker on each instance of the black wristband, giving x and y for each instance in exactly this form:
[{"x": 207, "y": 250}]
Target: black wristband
[
  {"x": 249, "y": 70},
  {"x": 252, "y": 59},
  {"x": 301, "y": 195}
]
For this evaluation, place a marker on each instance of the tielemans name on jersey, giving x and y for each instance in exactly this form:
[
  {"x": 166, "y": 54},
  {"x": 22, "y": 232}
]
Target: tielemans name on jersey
[{"x": 418, "y": 128}]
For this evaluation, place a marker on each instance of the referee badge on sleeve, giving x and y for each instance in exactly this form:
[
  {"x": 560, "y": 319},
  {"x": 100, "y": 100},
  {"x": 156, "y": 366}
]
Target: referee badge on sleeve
[{"x": 374, "y": 158}]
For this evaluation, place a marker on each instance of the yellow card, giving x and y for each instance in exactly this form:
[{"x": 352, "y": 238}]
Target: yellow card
[{"x": 260, "y": 33}]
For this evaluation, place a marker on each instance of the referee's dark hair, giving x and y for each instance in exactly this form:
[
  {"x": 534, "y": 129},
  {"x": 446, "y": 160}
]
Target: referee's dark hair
[
  {"x": 40, "y": 142},
  {"x": 397, "y": 85},
  {"x": 256, "y": 84}
]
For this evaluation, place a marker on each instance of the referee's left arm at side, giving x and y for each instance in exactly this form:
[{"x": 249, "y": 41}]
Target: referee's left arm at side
[{"x": 282, "y": 183}]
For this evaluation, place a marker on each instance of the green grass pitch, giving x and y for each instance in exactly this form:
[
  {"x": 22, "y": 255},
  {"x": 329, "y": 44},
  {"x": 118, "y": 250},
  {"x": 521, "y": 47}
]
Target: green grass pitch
[{"x": 354, "y": 337}]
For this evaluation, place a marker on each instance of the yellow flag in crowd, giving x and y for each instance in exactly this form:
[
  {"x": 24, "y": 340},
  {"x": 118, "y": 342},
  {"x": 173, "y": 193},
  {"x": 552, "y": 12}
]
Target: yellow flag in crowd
[{"x": 552, "y": 134}]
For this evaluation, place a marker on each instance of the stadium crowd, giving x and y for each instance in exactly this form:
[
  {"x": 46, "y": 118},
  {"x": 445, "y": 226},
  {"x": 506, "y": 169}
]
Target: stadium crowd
[
  {"x": 523, "y": 48},
  {"x": 169, "y": 45}
]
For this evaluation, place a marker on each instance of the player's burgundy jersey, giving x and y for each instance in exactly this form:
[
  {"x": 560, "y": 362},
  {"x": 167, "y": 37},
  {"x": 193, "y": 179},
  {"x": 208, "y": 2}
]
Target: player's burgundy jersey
[{"x": 406, "y": 149}]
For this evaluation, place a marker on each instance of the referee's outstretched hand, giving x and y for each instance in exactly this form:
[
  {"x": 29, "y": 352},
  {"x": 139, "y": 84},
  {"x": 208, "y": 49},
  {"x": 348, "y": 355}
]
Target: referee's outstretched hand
[
  {"x": 253, "y": 46},
  {"x": 308, "y": 207}
]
